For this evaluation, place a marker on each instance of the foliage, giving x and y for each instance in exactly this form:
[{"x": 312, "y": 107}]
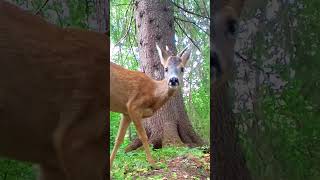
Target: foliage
[
  {"x": 11, "y": 170},
  {"x": 284, "y": 143}
]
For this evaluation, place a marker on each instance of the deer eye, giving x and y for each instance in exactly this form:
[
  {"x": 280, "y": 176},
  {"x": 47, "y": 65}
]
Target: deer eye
[
  {"x": 166, "y": 69},
  {"x": 182, "y": 69},
  {"x": 232, "y": 27}
]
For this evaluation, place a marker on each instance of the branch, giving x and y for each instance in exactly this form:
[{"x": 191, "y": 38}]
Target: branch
[
  {"x": 188, "y": 11},
  {"x": 252, "y": 65},
  {"x": 127, "y": 32},
  {"x": 43, "y": 5},
  {"x": 124, "y": 4},
  {"x": 184, "y": 32},
  {"x": 131, "y": 47},
  {"x": 205, "y": 9},
  {"x": 192, "y": 22}
]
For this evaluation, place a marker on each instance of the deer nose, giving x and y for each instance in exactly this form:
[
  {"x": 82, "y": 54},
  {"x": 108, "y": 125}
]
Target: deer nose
[{"x": 173, "y": 81}]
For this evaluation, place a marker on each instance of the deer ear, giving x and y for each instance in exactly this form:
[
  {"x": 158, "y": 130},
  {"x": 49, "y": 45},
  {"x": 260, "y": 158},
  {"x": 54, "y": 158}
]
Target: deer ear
[
  {"x": 167, "y": 48},
  {"x": 185, "y": 55},
  {"x": 162, "y": 54}
]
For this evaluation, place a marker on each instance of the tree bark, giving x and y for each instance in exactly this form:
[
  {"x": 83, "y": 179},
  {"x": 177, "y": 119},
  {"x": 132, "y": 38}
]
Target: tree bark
[{"x": 170, "y": 125}]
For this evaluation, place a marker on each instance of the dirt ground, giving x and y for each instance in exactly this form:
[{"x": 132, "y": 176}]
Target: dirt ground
[{"x": 181, "y": 167}]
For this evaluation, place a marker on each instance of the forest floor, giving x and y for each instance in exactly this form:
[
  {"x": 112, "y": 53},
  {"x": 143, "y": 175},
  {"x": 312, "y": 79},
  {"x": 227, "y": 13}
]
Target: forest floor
[
  {"x": 181, "y": 167},
  {"x": 173, "y": 163}
]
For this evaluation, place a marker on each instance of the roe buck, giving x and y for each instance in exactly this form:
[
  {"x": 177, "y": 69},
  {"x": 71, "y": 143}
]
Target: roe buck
[
  {"x": 137, "y": 96},
  {"x": 53, "y": 96},
  {"x": 228, "y": 158}
]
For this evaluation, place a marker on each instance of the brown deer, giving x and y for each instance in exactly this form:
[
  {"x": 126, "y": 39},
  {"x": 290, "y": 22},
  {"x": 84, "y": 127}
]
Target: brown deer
[
  {"x": 228, "y": 158},
  {"x": 53, "y": 96},
  {"x": 137, "y": 96}
]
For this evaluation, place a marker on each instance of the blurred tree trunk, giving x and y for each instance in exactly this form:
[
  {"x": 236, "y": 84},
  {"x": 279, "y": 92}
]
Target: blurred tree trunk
[{"x": 170, "y": 125}]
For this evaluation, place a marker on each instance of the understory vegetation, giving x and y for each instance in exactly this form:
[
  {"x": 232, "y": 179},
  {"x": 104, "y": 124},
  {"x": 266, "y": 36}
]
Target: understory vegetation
[{"x": 133, "y": 165}]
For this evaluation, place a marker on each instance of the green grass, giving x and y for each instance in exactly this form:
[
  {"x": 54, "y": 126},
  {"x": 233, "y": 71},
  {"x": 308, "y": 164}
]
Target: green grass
[
  {"x": 127, "y": 165},
  {"x": 16, "y": 170}
]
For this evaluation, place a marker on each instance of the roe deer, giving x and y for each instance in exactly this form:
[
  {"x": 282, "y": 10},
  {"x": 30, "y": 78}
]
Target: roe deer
[
  {"x": 228, "y": 158},
  {"x": 53, "y": 96},
  {"x": 137, "y": 96}
]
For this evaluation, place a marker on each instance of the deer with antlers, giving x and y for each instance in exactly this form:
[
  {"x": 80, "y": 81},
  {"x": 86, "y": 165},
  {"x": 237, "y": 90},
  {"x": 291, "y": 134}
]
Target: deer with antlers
[{"x": 137, "y": 96}]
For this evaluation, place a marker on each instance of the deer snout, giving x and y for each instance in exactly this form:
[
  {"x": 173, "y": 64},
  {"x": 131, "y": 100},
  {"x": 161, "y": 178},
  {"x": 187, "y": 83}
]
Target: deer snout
[{"x": 174, "y": 81}]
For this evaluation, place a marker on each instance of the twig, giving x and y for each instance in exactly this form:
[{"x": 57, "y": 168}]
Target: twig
[
  {"x": 188, "y": 11},
  {"x": 204, "y": 6},
  {"x": 124, "y": 4},
  {"x": 127, "y": 32},
  {"x": 43, "y": 5},
  {"x": 132, "y": 50},
  {"x": 192, "y": 22},
  {"x": 252, "y": 65},
  {"x": 185, "y": 33}
]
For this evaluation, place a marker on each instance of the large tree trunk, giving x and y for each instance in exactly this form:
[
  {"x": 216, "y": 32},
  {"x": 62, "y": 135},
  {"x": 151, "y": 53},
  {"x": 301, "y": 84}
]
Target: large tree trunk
[
  {"x": 228, "y": 159},
  {"x": 170, "y": 125}
]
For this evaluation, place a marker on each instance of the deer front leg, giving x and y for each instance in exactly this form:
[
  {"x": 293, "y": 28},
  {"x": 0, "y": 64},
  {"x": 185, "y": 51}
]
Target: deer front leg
[
  {"x": 136, "y": 117},
  {"x": 124, "y": 123}
]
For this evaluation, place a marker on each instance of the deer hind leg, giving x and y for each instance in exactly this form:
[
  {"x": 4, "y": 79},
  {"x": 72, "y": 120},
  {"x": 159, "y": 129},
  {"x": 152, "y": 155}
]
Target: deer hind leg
[
  {"x": 87, "y": 161},
  {"x": 79, "y": 143},
  {"x": 136, "y": 118},
  {"x": 124, "y": 123}
]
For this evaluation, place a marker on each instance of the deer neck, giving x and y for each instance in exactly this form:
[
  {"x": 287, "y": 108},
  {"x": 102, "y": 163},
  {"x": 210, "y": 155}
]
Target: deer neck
[{"x": 163, "y": 92}]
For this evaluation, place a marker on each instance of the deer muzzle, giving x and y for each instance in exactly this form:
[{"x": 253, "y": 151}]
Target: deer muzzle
[{"x": 173, "y": 82}]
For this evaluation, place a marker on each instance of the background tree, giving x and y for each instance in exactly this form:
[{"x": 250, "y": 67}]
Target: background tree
[{"x": 276, "y": 88}]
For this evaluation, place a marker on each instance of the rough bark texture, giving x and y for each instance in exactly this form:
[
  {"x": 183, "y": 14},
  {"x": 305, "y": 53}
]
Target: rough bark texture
[
  {"x": 228, "y": 159},
  {"x": 170, "y": 125}
]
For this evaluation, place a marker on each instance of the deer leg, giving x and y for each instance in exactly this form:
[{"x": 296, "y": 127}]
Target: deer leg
[
  {"x": 124, "y": 123},
  {"x": 86, "y": 162},
  {"x": 142, "y": 135},
  {"x": 80, "y": 145}
]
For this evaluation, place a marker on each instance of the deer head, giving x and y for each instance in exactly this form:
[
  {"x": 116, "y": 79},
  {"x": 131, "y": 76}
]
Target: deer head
[
  {"x": 223, "y": 38},
  {"x": 173, "y": 65}
]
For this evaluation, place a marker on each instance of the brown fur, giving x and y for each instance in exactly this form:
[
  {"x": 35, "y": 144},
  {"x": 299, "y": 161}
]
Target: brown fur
[
  {"x": 137, "y": 96},
  {"x": 53, "y": 96},
  {"x": 228, "y": 158}
]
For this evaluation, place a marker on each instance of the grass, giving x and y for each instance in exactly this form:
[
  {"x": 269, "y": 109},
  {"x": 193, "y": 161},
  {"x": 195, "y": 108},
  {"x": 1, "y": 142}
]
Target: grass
[
  {"x": 128, "y": 165},
  {"x": 16, "y": 170}
]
